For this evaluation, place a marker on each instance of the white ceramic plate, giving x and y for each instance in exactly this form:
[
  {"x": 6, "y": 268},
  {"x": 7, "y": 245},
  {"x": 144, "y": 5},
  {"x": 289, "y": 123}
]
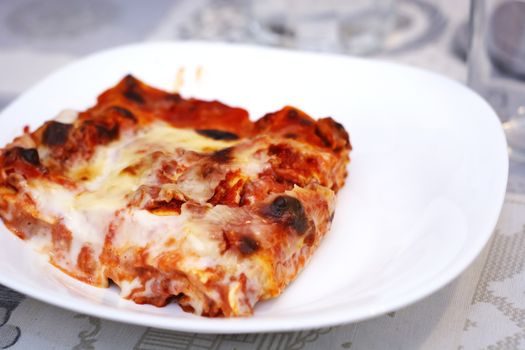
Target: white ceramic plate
[{"x": 426, "y": 184}]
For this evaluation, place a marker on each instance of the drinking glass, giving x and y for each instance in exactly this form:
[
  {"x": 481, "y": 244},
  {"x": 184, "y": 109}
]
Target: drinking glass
[
  {"x": 496, "y": 64},
  {"x": 351, "y": 26}
]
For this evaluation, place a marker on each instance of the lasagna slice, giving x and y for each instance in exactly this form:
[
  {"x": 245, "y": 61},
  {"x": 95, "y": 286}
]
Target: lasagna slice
[{"x": 176, "y": 199}]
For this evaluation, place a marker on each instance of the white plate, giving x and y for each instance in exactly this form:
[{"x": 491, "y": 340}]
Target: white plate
[{"x": 426, "y": 184}]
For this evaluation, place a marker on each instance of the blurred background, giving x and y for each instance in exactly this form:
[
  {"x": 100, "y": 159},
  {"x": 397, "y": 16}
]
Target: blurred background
[{"x": 37, "y": 37}]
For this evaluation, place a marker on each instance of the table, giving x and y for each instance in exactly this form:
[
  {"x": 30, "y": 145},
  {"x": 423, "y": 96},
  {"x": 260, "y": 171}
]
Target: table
[{"x": 482, "y": 308}]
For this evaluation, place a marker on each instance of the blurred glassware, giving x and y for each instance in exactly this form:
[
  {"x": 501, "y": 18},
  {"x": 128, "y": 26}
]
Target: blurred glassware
[
  {"x": 496, "y": 64},
  {"x": 351, "y": 26},
  {"x": 223, "y": 20}
]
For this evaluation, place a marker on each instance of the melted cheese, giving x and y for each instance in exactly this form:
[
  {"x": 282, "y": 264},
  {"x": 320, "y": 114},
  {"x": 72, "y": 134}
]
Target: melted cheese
[
  {"x": 163, "y": 137},
  {"x": 67, "y": 116},
  {"x": 143, "y": 229},
  {"x": 106, "y": 185},
  {"x": 88, "y": 226},
  {"x": 104, "y": 189},
  {"x": 108, "y": 163},
  {"x": 127, "y": 287},
  {"x": 251, "y": 161}
]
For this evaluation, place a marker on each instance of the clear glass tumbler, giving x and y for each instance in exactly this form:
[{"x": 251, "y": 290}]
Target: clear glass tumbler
[
  {"x": 496, "y": 64},
  {"x": 351, "y": 26}
]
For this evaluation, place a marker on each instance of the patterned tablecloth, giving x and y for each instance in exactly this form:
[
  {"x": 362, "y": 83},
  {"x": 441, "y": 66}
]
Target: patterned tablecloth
[{"x": 483, "y": 308}]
